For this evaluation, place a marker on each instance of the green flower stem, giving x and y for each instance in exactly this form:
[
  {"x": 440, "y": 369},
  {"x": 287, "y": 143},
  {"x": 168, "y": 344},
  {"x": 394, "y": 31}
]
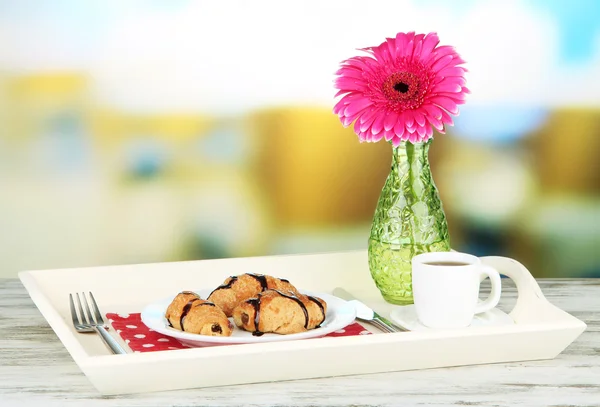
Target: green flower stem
[
  {"x": 409, "y": 219},
  {"x": 410, "y": 153}
]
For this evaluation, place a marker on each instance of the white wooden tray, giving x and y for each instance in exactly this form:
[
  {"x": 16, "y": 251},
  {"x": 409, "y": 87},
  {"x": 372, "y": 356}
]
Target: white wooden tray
[{"x": 541, "y": 330}]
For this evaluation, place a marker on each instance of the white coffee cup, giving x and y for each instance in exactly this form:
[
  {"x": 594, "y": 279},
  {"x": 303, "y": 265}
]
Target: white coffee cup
[{"x": 446, "y": 288}]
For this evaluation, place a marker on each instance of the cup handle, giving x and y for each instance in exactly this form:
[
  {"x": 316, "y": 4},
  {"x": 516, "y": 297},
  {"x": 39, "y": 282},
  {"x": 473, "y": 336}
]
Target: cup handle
[{"x": 494, "y": 297}]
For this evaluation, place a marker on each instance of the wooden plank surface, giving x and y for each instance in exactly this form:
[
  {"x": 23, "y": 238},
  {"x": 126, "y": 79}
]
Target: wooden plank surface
[{"x": 36, "y": 370}]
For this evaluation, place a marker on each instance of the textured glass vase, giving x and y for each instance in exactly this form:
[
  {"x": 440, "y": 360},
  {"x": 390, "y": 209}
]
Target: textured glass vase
[{"x": 409, "y": 219}]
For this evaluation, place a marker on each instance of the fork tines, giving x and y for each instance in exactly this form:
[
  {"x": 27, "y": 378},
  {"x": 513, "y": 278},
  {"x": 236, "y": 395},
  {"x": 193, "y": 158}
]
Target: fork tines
[{"x": 91, "y": 316}]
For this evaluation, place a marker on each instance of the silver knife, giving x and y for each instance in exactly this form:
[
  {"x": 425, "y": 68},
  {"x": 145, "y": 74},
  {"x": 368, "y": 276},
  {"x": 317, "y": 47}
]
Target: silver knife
[{"x": 364, "y": 313}]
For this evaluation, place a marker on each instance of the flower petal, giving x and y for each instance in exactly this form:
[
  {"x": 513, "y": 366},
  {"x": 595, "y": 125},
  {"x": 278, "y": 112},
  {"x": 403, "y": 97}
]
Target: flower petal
[
  {"x": 437, "y": 123},
  {"x": 440, "y": 52},
  {"x": 429, "y": 132},
  {"x": 430, "y": 41},
  {"x": 399, "y": 128},
  {"x": 357, "y": 106},
  {"x": 458, "y": 80},
  {"x": 442, "y": 63},
  {"x": 350, "y": 72},
  {"x": 409, "y": 119},
  {"x": 410, "y": 47},
  {"x": 350, "y": 97},
  {"x": 369, "y": 114},
  {"x": 447, "y": 86},
  {"x": 377, "y": 124},
  {"x": 389, "y": 135},
  {"x": 340, "y": 93},
  {"x": 366, "y": 125},
  {"x": 446, "y": 118},
  {"x": 402, "y": 43},
  {"x": 418, "y": 41},
  {"x": 432, "y": 111},
  {"x": 376, "y": 137},
  {"x": 339, "y": 106},
  {"x": 445, "y": 103},
  {"x": 363, "y": 64},
  {"x": 349, "y": 84},
  {"x": 391, "y": 45},
  {"x": 346, "y": 121},
  {"x": 452, "y": 71},
  {"x": 419, "y": 118},
  {"x": 382, "y": 53},
  {"x": 357, "y": 128},
  {"x": 459, "y": 98},
  {"x": 458, "y": 60},
  {"x": 390, "y": 121}
]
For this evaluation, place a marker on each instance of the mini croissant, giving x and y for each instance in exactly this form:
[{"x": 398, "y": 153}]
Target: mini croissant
[
  {"x": 280, "y": 312},
  {"x": 190, "y": 313},
  {"x": 236, "y": 289}
]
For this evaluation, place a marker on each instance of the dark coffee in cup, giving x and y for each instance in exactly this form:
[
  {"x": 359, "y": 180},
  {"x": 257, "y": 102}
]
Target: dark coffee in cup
[{"x": 446, "y": 263}]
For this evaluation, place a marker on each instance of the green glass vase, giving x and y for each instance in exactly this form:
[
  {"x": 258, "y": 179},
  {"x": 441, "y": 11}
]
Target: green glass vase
[{"x": 409, "y": 220}]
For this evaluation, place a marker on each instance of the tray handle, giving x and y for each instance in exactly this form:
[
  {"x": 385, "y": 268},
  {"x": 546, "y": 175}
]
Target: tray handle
[{"x": 529, "y": 292}]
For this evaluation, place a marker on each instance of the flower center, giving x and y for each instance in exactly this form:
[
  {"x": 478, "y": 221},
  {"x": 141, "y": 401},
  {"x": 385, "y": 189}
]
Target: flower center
[
  {"x": 401, "y": 87},
  {"x": 404, "y": 87}
]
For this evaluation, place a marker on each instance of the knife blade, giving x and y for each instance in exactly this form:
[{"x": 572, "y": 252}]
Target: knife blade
[{"x": 365, "y": 313}]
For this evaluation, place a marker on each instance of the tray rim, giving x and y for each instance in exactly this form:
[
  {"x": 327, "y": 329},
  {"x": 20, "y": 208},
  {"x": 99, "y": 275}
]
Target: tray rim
[{"x": 87, "y": 362}]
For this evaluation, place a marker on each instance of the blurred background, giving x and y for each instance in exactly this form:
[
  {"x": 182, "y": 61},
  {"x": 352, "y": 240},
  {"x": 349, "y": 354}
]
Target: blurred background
[{"x": 149, "y": 131}]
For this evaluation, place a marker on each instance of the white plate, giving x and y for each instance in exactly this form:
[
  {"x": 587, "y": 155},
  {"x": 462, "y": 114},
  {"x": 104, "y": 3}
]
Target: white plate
[
  {"x": 406, "y": 316},
  {"x": 339, "y": 315}
]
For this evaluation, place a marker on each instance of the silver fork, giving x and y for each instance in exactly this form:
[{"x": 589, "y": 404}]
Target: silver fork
[{"x": 86, "y": 323}]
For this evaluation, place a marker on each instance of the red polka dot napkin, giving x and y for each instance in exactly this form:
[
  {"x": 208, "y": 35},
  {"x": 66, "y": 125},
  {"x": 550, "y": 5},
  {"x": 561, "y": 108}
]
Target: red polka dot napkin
[{"x": 140, "y": 338}]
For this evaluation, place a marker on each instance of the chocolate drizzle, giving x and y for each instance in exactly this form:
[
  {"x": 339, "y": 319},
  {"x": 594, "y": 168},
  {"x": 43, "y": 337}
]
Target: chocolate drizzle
[
  {"x": 187, "y": 307},
  {"x": 302, "y": 306},
  {"x": 255, "y": 302},
  {"x": 232, "y": 279},
  {"x": 316, "y": 301},
  {"x": 261, "y": 279}
]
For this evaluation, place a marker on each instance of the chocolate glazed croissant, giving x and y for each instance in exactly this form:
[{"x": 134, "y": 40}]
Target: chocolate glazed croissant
[
  {"x": 190, "y": 313},
  {"x": 236, "y": 289},
  {"x": 280, "y": 312}
]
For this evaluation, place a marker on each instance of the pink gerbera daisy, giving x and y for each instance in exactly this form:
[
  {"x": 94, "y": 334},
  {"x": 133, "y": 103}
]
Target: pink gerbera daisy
[{"x": 406, "y": 86}]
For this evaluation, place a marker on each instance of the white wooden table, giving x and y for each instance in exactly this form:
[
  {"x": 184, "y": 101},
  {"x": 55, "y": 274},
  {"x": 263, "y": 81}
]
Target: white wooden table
[{"x": 36, "y": 370}]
